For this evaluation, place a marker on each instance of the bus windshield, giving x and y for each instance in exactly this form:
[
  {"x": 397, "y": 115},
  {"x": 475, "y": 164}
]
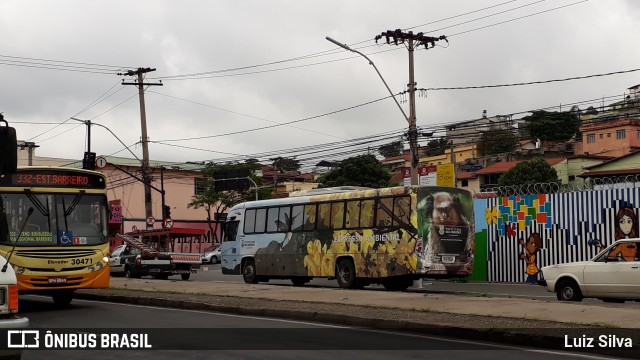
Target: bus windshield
[{"x": 58, "y": 219}]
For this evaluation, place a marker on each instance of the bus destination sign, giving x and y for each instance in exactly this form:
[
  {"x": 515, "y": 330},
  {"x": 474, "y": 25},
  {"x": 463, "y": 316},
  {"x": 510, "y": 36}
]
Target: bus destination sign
[{"x": 53, "y": 178}]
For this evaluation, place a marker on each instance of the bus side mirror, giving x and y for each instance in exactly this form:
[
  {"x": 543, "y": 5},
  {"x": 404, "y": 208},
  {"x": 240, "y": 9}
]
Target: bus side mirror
[{"x": 8, "y": 148}]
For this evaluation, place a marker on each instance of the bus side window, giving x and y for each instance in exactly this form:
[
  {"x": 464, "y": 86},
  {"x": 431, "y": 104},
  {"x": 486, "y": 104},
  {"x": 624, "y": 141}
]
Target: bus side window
[
  {"x": 230, "y": 231},
  {"x": 401, "y": 210},
  {"x": 272, "y": 219},
  {"x": 261, "y": 220},
  {"x": 249, "y": 221},
  {"x": 324, "y": 216},
  {"x": 366, "y": 213},
  {"x": 337, "y": 215},
  {"x": 297, "y": 217},
  {"x": 284, "y": 220},
  {"x": 310, "y": 217},
  {"x": 385, "y": 207},
  {"x": 353, "y": 214}
]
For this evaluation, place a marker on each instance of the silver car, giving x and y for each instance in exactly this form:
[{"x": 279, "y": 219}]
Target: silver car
[{"x": 212, "y": 255}]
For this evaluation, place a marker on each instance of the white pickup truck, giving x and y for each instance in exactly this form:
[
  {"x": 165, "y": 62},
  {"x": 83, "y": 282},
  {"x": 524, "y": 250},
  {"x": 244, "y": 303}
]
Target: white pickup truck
[
  {"x": 133, "y": 263},
  {"x": 9, "y": 307}
]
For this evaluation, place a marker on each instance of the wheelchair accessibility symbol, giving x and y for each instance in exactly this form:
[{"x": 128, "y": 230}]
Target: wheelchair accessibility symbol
[{"x": 65, "y": 237}]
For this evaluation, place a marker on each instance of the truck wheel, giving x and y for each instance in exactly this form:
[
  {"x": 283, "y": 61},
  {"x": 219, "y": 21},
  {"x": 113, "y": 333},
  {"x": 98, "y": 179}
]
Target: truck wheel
[
  {"x": 346, "y": 274},
  {"x": 62, "y": 298},
  {"x": 568, "y": 290},
  {"x": 186, "y": 276},
  {"x": 249, "y": 272},
  {"x": 131, "y": 273}
]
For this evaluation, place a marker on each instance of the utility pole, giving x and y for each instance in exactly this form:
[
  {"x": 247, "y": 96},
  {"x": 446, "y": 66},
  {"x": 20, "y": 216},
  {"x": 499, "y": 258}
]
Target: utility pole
[
  {"x": 146, "y": 170},
  {"x": 412, "y": 42},
  {"x": 30, "y": 146}
]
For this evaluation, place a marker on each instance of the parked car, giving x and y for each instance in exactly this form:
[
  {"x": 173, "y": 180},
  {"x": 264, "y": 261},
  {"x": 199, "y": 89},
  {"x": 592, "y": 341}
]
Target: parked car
[
  {"x": 612, "y": 276},
  {"x": 9, "y": 307},
  {"x": 212, "y": 255}
]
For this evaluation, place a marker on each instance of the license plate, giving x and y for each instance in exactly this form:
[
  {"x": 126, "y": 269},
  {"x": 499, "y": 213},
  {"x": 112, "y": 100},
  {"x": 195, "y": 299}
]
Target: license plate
[
  {"x": 448, "y": 259},
  {"x": 57, "y": 280},
  {"x": 154, "y": 270}
]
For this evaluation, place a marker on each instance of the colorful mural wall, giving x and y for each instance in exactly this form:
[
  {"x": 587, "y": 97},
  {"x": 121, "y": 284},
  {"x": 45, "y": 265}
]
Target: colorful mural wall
[{"x": 523, "y": 233}]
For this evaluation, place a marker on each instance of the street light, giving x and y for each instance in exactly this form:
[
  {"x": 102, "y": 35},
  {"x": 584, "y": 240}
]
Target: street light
[
  {"x": 412, "y": 126},
  {"x": 89, "y": 123}
]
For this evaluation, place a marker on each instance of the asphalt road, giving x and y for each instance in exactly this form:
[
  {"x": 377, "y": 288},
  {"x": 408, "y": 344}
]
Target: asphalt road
[
  {"x": 206, "y": 335},
  {"x": 211, "y": 272}
]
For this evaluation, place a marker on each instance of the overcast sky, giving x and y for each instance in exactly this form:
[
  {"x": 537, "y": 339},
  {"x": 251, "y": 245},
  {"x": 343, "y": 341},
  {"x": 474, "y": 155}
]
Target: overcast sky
[{"x": 229, "y": 68}]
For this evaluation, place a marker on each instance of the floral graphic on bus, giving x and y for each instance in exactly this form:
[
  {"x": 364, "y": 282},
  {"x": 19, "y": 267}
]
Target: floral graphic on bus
[{"x": 385, "y": 233}]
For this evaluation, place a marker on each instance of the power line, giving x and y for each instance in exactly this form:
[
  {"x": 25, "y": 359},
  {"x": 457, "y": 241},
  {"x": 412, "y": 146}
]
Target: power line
[
  {"x": 530, "y": 82},
  {"x": 279, "y": 124},
  {"x": 242, "y": 114}
]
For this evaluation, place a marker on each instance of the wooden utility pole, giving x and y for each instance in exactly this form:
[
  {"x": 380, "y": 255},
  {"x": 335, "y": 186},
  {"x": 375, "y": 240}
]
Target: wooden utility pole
[
  {"x": 146, "y": 170},
  {"x": 413, "y": 41}
]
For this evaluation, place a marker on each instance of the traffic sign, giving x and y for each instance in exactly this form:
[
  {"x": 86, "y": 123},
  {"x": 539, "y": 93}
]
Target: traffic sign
[
  {"x": 101, "y": 162},
  {"x": 151, "y": 220},
  {"x": 168, "y": 223}
]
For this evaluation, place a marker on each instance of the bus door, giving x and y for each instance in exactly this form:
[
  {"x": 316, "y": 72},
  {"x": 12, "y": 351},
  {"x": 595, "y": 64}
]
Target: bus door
[{"x": 229, "y": 249}]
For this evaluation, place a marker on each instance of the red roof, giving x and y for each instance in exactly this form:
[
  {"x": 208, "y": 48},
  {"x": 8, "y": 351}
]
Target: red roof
[
  {"x": 466, "y": 175},
  {"x": 503, "y": 167}
]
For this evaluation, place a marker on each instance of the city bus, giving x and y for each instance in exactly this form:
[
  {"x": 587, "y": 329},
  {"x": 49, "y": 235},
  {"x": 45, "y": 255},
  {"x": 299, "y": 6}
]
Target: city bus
[
  {"x": 389, "y": 236},
  {"x": 53, "y": 230}
]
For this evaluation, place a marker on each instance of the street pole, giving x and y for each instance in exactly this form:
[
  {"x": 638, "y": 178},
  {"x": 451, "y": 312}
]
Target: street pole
[
  {"x": 413, "y": 131},
  {"x": 413, "y": 41},
  {"x": 162, "y": 192},
  {"x": 413, "y": 148},
  {"x": 146, "y": 170}
]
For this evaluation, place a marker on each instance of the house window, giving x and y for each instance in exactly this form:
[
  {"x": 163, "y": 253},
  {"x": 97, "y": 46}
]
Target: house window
[
  {"x": 464, "y": 183},
  {"x": 621, "y": 134},
  {"x": 638, "y": 134},
  {"x": 608, "y": 135},
  {"x": 602, "y": 136},
  {"x": 200, "y": 186},
  {"x": 591, "y": 138}
]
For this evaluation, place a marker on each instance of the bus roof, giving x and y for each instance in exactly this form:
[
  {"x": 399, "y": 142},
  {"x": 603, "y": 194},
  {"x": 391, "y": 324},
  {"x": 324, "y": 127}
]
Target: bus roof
[{"x": 329, "y": 190}]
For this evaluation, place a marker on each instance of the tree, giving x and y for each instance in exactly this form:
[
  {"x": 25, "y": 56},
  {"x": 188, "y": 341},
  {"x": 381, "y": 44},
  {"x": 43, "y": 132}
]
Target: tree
[
  {"x": 218, "y": 201},
  {"x": 391, "y": 149},
  {"x": 496, "y": 142},
  {"x": 436, "y": 147},
  {"x": 546, "y": 125},
  {"x": 533, "y": 171},
  {"x": 286, "y": 164},
  {"x": 362, "y": 170}
]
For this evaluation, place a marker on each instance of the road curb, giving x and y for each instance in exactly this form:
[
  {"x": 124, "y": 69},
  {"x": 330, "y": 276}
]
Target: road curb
[{"x": 551, "y": 339}]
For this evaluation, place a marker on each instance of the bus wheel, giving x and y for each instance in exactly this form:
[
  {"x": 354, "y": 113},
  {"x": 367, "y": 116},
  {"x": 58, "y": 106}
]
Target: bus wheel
[
  {"x": 249, "y": 272},
  {"x": 185, "y": 276},
  {"x": 62, "y": 298},
  {"x": 346, "y": 274},
  {"x": 300, "y": 280}
]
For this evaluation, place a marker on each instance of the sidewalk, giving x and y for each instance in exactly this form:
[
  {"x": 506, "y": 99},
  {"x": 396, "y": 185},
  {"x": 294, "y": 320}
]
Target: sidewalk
[{"x": 516, "y": 321}]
